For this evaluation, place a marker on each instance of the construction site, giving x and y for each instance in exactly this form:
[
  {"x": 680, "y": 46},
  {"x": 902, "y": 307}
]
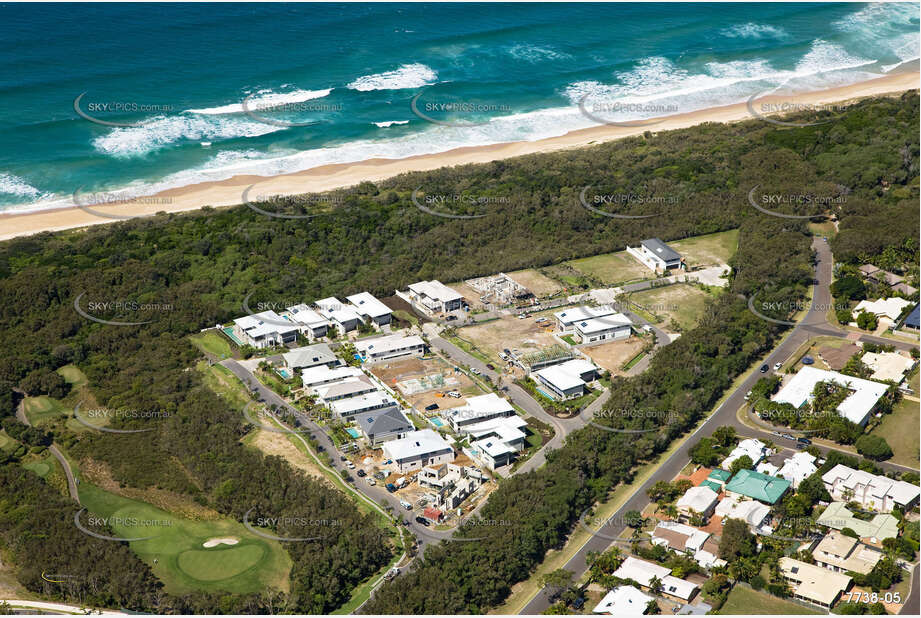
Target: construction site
[{"x": 500, "y": 291}]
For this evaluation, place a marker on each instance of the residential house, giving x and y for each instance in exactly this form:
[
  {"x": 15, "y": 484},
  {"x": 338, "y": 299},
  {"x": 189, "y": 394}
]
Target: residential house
[
  {"x": 376, "y": 400},
  {"x": 321, "y": 374},
  {"x": 370, "y": 309},
  {"x": 872, "y": 492},
  {"x": 655, "y": 254},
  {"x": 717, "y": 479},
  {"x": 697, "y": 501},
  {"x": 643, "y": 572},
  {"x": 606, "y": 328},
  {"x": 913, "y": 321},
  {"x": 679, "y": 537},
  {"x": 309, "y": 322},
  {"x": 623, "y": 601},
  {"x": 418, "y": 449},
  {"x": 343, "y": 389},
  {"x": 755, "y": 449},
  {"x": 761, "y": 487},
  {"x": 342, "y": 316},
  {"x": 813, "y": 583},
  {"x": 904, "y": 289},
  {"x": 754, "y": 513},
  {"x": 478, "y": 409},
  {"x": 378, "y": 349},
  {"x": 840, "y": 553},
  {"x": 309, "y": 356},
  {"x": 887, "y": 310},
  {"x": 568, "y": 318},
  {"x": 566, "y": 380},
  {"x": 265, "y": 330},
  {"x": 883, "y": 526},
  {"x": 856, "y": 407},
  {"x": 435, "y": 297},
  {"x": 497, "y": 442},
  {"x": 888, "y": 366},
  {"x": 797, "y": 468},
  {"x": 379, "y": 427}
]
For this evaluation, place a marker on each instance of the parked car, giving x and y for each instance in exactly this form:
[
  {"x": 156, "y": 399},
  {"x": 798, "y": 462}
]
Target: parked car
[
  {"x": 372, "y": 482},
  {"x": 392, "y": 573},
  {"x": 406, "y": 505},
  {"x": 777, "y": 366},
  {"x": 491, "y": 367},
  {"x": 748, "y": 395},
  {"x": 808, "y": 360},
  {"x": 342, "y": 458},
  {"x": 764, "y": 369},
  {"x": 361, "y": 473},
  {"x": 475, "y": 371},
  {"x": 450, "y": 318},
  {"x": 803, "y": 440},
  {"x": 506, "y": 351},
  {"x": 432, "y": 406},
  {"x": 391, "y": 487},
  {"x": 423, "y": 521},
  {"x": 380, "y": 476},
  {"x": 787, "y": 436},
  {"x": 350, "y": 465}
]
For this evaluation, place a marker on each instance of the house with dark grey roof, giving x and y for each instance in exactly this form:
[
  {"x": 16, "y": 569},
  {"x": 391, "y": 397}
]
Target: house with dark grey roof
[
  {"x": 310, "y": 356},
  {"x": 656, "y": 255},
  {"x": 378, "y": 427}
]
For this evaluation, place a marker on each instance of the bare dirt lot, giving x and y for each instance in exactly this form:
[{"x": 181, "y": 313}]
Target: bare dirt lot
[
  {"x": 612, "y": 356},
  {"x": 510, "y": 332},
  {"x": 273, "y": 443},
  {"x": 472, "y": 296},
  {"x": 418, "y": 381},
  {"x": 538, "y": 284}
]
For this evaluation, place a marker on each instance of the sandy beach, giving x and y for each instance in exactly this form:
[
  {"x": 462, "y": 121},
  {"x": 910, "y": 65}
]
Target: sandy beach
[{"x": 229, "y": 192}]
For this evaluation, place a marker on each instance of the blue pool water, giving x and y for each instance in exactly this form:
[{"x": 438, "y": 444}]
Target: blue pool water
[
  {"x": 352, "y": 432},
  {"x": 437, "y": 422}
]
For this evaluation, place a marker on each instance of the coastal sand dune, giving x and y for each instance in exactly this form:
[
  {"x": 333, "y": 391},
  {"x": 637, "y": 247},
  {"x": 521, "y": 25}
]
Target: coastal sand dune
[{"x": 229, "y": 192}]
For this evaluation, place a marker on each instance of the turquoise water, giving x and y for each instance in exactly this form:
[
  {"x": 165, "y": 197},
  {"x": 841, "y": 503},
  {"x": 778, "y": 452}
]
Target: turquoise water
[
  {"x": 178, "y": 75},
  {"x": 352, "y": 432},
  {"x": 437, "y": 422}
]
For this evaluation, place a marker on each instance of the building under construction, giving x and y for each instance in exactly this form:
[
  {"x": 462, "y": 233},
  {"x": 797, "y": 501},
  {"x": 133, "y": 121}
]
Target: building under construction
[{"x": 500, "y": 290}]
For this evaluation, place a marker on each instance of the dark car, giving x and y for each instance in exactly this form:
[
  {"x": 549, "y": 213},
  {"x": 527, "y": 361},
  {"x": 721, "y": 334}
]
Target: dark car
[
  {"x": 361, "y": 473},
  {"x": 506, "y": 351},
  {"x": 432, "y": 406},
  {"x": 578, "y": 603},
  {"x": 391, "y": 487},
  {"x": 808, "y": 360},
  {"x": 764, "y": 369},
  {"x": 342, "y": 458},
  {"x": 450, "y": 318},
  {"x": 423, "y": 521},
  {"x": 491, "y": 367},
  {"x": 805, "y": 441}
]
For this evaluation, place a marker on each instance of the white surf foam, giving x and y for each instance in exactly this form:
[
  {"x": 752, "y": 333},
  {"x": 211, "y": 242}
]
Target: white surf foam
[
  {"x": 407, "y": 76},
  {"x": 269, "y": 98},
  {"x": 163, "y": 131},
  {"x": 754, "y": 31},
  {"x": 390, "y": 123},
  {"x": 10, "y": 184}
]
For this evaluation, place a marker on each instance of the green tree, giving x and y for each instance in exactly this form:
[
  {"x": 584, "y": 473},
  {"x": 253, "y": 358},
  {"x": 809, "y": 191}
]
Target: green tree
[{"x": 874, "y": 447}]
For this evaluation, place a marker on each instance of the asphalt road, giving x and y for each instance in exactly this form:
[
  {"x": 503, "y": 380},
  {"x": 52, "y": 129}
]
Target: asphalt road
[{"x": 812, "y": 324}]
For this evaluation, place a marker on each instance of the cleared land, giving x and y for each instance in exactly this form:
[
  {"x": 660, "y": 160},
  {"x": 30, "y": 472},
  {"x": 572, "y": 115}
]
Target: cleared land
[
  {"x": 42, "y": 409},
  {"x": 470, "y": 295},
  {"x": 176, "y": 552},
  {"x": 746, "y": 601},
  {"x": 709, "y": 249},
  {"x": 539, "y": 284},
  {"x": 275, "y": 443},
  {"x": 509, "y": 332},
  {"x": 419, "y": 380},
  {"x": 680, "y": 302},
  {"x": 213, "y": 343},
  {"x": 612, "y": 356},
  {"x": 900, "y": 429}
]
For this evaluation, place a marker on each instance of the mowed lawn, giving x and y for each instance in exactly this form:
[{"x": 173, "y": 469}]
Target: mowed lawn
[
  {"x": 900, "y": 429},
  {"x": 176, "y": 552},
  {"x": 42, "y": 409},
  {"x": 743, "y": 600},
  {"x": 709, "y": 249},
  {"x": 680, "y": 302},
  {"x": 213, "y": 342},
  {"x": 612, "y": 268}
]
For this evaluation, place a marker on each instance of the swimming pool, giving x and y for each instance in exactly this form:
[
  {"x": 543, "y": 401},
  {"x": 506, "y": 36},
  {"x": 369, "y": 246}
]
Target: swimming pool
[
  {"x": 284, "y": 373},
  {"x": 352, "y": 432},
  {"x": 437, "y": 422}
]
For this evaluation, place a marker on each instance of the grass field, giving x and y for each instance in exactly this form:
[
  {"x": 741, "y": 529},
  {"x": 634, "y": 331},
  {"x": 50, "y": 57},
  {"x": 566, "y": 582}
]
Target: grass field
[
  {"x": 613, "y": 356},
  {"x": 176, "y": 552},
  {"x": 213, "y": 342},
  {"x": 709, "y": 249},
  {"x": 42, "y": 409},
  {"x": 913, "y": 381},
  {"x": 612, "y": 268},
  {"x": 900, "y": 429},
  {"x": 680, "y": 302},
  {"x": 744, "y": 600}
]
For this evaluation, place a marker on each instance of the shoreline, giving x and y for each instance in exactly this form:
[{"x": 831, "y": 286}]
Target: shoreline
[{"x": 229, "y": 192}]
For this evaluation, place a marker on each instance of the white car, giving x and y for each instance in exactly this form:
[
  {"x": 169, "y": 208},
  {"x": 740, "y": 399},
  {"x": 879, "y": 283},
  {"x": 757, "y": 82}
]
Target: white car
[
  {"x": 777, "y": 366},
  {"x": 371, "y": 481},
  {"x": 748, "y": 395}
]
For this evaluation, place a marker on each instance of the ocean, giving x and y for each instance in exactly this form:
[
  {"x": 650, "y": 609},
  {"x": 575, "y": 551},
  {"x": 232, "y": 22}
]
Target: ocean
[{"x": 128, "y": 99}]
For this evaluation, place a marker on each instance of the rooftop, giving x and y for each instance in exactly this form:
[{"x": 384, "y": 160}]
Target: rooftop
[
  {"x": 435, "y": 289},
  {"x": 375, "y": 422},
  {"x": 480, "y": 406},
  {"x": 878, "y": 486},
  {"x": 887, "y": 307},
  {"x": 759, "y": 486},
  {"x": 887, "y": 365},
  {"x": 583, "y": 312},
  {"x": 815, "y": 583},
  {"x": 565, "y": 376},
  {"x": 361, "y": 402},
  {"x": 882, "y": 526},
  {"x": 597, "y": 325},
  {"x": 659, "y": 248},
  {"x": 699, "y": 499},
  {"x": 334, "y": 309},
  {"x": 322, "y": 373},
  {"x": 623, "y": 601},
  {"x": 309, "y": 356},
  {"x": 416, "y": 444},
  {"x": 305, "y": 316},
  {"x": 388, "y": 343},
  {"x": 856, "y": 407},
  {"x": 264, "y": 323},
  {"x": 367, "y": 304},
  {"x": 846, "y": 553}
]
